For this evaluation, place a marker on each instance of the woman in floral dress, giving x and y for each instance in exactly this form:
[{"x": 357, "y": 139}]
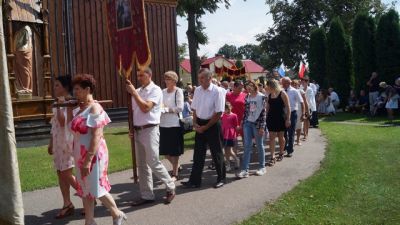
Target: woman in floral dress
[
  {"x": 60, "y": 146},
  {"x": 90, "y": 150}
]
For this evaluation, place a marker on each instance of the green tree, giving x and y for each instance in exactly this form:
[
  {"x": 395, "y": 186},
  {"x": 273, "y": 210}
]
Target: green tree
[
  {"x": 388, "y": 46},
  {"x": 363, "y": 43},
  {"x": 182, "y": 51},
  {"x": 250, "y": 51},
  {"x": 239, "y": 63},
  {"x": 317, "y": 56},
  {"x": 229, "y": 51},
  {"x": 255, "y": 53},
  {"x": 288, "y": 39},
  {"x": 339, "y": 60},
  {"x": 193, "y": 10},
  {"x": 348, "y": 10}
]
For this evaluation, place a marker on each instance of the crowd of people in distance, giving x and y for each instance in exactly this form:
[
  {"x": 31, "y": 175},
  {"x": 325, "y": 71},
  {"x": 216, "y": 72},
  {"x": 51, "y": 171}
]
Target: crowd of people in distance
[{"x": 381, "y": 98}]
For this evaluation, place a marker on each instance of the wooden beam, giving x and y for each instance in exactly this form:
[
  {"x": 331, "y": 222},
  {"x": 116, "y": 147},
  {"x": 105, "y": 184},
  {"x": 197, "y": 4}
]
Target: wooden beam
[{"x": 168, "y": 2}]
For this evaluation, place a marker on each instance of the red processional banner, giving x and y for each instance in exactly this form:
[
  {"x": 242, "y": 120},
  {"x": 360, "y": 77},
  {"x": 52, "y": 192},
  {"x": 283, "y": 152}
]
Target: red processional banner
[
  {"x": 127, "y": 31},
  {"x": 229, "y": 71}
]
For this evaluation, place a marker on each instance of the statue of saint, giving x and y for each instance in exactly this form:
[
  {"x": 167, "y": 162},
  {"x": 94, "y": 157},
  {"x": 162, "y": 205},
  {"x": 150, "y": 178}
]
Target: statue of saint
[{"x": 23, "y": 60}]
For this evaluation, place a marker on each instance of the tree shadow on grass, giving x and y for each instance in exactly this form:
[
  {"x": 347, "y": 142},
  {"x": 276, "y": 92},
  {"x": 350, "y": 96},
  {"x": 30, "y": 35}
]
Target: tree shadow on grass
[{"x": 118, "y": 133}]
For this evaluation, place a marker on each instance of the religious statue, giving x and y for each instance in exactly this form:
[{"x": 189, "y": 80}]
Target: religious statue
[{"x": 23, "y": 60}]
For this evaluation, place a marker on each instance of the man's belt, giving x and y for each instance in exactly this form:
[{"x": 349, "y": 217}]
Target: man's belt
[{"x": 144, "y": 126}]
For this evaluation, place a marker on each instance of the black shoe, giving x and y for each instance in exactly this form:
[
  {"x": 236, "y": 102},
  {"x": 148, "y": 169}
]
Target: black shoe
[
  {"x": 289, "y": 155},
  {"x": 187, "y": 184},
  {"x": 211, "y": 166},
  {"x": 219, "y": 184}
]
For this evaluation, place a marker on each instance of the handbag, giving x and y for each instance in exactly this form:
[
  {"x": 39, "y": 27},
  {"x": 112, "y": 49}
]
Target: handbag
[{"x": 186, "y": 124}]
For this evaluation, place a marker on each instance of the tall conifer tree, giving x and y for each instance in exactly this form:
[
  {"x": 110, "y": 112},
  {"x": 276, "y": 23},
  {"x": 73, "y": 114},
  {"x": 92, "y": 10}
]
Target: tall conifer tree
[
  {"x": 388, "y": 46},
  {"x": 339, "y": 61}
]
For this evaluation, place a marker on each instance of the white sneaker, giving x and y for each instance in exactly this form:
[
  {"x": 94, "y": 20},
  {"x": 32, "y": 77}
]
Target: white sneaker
[
  {"x": 261, "y": 172},
  {"x": 118, "y": 221},
  {"x": 242, "y": 174}
]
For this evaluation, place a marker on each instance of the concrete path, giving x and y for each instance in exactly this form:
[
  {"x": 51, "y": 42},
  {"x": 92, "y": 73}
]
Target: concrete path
[{"x": 236, "y": 201}]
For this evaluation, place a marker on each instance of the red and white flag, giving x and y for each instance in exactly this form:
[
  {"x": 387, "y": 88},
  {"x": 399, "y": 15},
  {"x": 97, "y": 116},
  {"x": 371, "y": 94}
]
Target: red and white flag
[
  {"x": 127, "y": 30},
  {"x": 302, "y": 69}
]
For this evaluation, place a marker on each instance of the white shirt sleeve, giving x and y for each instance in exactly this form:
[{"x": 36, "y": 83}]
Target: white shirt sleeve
[
  {"x": 220, "y": 101},
  {"x": 195, "y": 101},
  {"x": 155, "y": 96},
  {"x": 299, "y": 97},
  {"x": 179, "y": 101}
]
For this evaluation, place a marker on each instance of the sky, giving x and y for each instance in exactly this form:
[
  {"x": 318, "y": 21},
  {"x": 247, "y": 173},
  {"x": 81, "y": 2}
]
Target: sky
[{"x": 237, "y": 25}]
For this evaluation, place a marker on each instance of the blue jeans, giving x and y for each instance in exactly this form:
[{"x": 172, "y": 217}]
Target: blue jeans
[
  {"x": 290, "y": 131},
  {"x": 250, "y": 131}
]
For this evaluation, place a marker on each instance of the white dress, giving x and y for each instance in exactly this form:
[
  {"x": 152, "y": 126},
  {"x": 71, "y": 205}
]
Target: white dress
[
  {"x": 96, "y": 184},
  {"x": 299, "y": 123},
  {"x": 62, "y": 142}
]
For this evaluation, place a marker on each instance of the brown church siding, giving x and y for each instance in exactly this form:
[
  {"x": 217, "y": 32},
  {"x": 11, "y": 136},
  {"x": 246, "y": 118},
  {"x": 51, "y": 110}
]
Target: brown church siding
[{"x": 90, "y": 50}]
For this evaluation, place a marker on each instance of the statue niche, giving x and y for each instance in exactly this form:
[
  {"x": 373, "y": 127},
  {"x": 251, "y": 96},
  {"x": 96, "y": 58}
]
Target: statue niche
[{"x": 23, "y": 61}]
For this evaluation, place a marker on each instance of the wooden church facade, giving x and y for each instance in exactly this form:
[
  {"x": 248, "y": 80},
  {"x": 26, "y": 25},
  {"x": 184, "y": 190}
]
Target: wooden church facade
[
  {"x": 71, "y": 36},
  {"x": 79, "y": 43}
]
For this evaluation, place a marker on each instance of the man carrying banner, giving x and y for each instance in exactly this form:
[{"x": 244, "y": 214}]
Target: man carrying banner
[{"x": 146, "y": 107}]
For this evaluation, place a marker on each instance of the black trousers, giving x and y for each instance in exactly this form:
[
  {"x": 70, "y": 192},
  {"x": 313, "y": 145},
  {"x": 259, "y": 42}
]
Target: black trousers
[
  {"x": 314, "y": 119},
  {"x": 290, "y": 132},
  {"x": 210, "y": 138}
]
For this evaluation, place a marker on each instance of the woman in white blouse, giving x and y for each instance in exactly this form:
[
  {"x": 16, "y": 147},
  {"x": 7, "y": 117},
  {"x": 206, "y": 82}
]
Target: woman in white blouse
[{"x": 171, "y": 134}]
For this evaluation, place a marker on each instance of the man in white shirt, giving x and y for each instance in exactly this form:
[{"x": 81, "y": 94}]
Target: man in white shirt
[
  {"x": 312, "y": 100},
  {"x": 295, "y": 101},
  {"x": 146, "y": 103},
  {"x": 208, "y": 104},
  {"x": 310, "y": 96},
  {"x": 314, "y": 87}
]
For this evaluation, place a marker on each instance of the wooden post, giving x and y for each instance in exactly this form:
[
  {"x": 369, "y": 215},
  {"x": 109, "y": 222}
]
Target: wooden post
[
  {"x": 9, "y": 50},
  {"x": 132, "y": 132},
  {"x": 46, "y": 57}
]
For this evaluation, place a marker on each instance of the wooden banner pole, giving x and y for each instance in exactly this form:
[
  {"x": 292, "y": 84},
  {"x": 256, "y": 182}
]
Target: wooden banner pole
[{"x": 132, "y": 136}]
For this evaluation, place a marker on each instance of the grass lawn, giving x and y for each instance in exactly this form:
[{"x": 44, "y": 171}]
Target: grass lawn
[
  {"x": 358, "y": 183},
  {"x": 36, "y": 166}
]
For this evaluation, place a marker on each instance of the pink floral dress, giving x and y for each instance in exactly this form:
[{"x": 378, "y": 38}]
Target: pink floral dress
[
  {"x": 96, "y": 184},
  {"x": 62, "y": 142}
]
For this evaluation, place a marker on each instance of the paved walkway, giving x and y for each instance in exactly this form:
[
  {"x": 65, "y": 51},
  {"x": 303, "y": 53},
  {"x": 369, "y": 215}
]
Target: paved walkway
[{"x": 236, "y": 201}]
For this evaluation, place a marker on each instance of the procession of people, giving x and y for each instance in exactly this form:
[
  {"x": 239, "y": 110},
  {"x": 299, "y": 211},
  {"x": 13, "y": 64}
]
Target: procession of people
[{"x": 222, "y": 116}]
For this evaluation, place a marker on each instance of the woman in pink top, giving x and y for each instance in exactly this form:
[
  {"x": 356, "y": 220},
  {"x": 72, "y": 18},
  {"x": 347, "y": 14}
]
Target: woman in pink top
[
  {"x": 237, "y": 99},
  {"x": 230, "y": 126}
]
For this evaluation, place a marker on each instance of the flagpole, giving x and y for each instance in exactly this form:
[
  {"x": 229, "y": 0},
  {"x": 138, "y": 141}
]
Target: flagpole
[{"x": 132, "y": 134}]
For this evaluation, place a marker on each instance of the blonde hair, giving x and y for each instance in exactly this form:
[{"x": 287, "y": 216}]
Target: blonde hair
[
  {"x": 171, "y": 74},
  {"x": 295, "y": 83},
  {"x": 274, "y": 85}
]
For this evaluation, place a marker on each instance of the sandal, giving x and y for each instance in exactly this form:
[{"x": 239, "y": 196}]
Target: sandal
[
  {"x": 69, "y": 211},
  {"x": 280, "y": 157},
  {"x": 175, "y": 177},
  {"x": 271, "y": 162}
]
